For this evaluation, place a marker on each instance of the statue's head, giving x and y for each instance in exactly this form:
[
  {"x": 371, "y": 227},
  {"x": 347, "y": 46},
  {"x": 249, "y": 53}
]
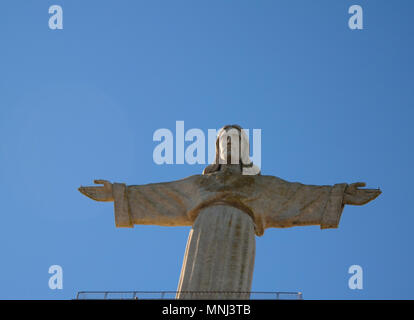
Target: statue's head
[{"x": 232, "y": 147}]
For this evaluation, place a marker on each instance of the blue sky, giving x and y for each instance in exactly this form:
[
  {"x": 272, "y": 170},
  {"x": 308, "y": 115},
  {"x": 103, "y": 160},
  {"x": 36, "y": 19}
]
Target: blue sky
[{"x": 82, "y": 103}]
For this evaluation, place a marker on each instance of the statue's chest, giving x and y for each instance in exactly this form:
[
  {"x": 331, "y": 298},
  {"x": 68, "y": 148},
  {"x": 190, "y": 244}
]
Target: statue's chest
[{"x": 227, "y": 185}]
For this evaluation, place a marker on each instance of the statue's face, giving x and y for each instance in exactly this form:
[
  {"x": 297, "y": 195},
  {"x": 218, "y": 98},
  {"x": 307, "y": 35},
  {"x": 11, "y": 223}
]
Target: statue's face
[{"x": 229, "y": 141}]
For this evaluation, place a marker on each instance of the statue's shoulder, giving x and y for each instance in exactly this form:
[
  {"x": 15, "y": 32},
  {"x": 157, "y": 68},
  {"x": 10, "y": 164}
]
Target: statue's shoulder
[
  {"x": 194, "y": 177},
  {"x": 269, "y": 179},
  {"x": 187, "y": 180}
]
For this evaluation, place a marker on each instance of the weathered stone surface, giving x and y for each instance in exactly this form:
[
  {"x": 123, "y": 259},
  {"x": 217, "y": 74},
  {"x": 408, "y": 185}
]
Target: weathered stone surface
[
  {"x": 222, "y": 238},
  {"x": 270, "y": 201}
]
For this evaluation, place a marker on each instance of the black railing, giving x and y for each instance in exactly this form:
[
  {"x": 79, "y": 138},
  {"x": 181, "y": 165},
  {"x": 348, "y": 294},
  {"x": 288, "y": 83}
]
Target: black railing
[{"x": 135, "y": 295}]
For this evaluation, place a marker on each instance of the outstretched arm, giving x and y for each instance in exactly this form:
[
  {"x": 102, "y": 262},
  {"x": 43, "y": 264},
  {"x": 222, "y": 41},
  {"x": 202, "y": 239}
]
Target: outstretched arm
[
  {"x": 359, "y": 197},
  {"x": 164, "y": 204},
  {"x": 287, "y": 204}
]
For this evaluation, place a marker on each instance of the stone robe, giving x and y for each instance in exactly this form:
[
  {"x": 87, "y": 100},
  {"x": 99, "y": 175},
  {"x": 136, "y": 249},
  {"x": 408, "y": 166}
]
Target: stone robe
[{"x": 225, "y": 211}]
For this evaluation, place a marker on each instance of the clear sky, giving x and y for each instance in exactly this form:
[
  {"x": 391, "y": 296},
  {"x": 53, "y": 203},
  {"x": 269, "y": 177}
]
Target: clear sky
[{"x": 334, "y": 105}]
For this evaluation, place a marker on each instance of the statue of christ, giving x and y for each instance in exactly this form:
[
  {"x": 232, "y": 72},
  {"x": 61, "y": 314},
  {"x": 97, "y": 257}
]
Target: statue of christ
[{"x": 227, "y": 206}]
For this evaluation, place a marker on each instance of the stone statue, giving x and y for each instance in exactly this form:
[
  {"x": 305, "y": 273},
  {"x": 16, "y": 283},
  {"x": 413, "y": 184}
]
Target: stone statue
[{"x": 227, "y": 206}]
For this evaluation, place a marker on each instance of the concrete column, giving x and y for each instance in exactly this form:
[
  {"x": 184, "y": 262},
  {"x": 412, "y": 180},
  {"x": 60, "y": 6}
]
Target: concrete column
[{"x": 219, "y": 255}]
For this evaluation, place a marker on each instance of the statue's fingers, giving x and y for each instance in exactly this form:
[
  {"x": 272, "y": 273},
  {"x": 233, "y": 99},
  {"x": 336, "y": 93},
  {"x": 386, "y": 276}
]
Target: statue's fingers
[
  {"x": 370, "y": 195},
  {"x": 359, "y": 184},
  {"x": 373, "y": 191},
  {"x": 91, "y": 189},
  {"x": 99, "y": 181},
  {"x": 86, "y": 191},
  {"x": 352, "y": 188},
  {"x": 376, "y": 193},
  {"x": 94, "y": 193}
]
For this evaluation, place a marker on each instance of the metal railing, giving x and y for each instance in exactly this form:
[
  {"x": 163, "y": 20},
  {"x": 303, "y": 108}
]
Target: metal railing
[{"x": 138, "y": 295}]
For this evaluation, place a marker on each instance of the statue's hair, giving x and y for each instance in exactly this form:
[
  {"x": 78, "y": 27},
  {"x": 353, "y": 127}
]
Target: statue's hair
[{"x": 215, "y": 166}]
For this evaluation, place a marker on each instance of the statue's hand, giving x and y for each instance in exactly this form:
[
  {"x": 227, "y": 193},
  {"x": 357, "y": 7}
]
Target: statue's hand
[
  {"x": 359, "y": 197},
  {"x": 99, "y": 193}
]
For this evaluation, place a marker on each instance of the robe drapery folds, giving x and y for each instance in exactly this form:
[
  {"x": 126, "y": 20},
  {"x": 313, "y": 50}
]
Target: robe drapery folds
[
  {"x": 271, "y": 202},
  {"x": 219, "y": 256}
]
